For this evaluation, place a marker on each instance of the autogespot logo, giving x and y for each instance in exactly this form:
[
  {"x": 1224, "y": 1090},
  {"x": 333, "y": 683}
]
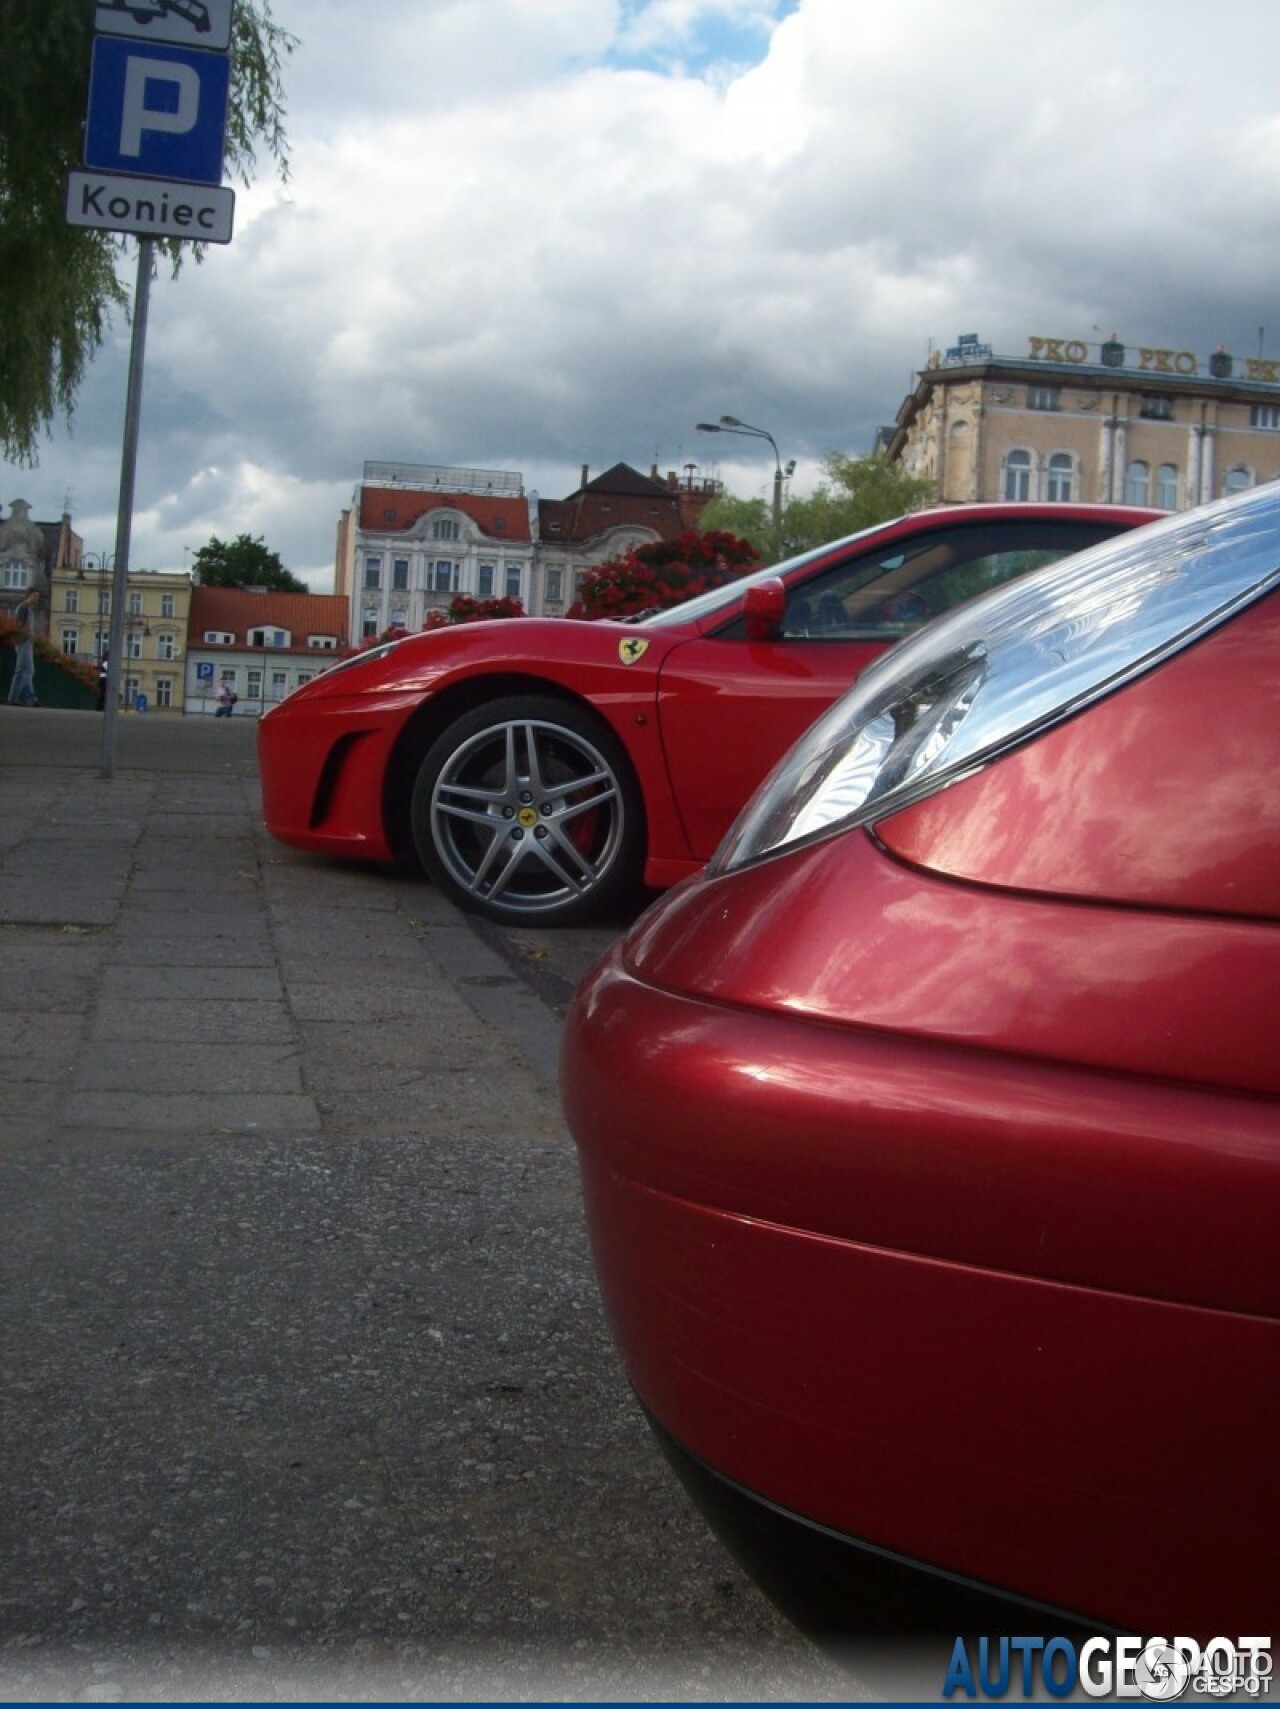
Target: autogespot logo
[{"x": 1159, "y": 1669}]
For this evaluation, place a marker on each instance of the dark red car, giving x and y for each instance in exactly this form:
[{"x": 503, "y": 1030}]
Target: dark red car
[
  {"x": 931, "y": 1138},
  {"x": 543, "y": 769}
]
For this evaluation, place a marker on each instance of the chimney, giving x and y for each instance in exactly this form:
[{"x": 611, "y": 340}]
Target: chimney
[{"x": 586, "y": 470}]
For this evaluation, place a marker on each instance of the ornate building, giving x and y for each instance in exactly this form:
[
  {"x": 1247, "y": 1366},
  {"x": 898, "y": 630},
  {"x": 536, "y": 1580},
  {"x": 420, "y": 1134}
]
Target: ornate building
[
  {"x": 417, "y": 534},
  {"x": 1106, "y": 422}
]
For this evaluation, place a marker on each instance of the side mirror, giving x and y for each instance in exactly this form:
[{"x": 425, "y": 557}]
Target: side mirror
[{"x": 764, "y": 608}]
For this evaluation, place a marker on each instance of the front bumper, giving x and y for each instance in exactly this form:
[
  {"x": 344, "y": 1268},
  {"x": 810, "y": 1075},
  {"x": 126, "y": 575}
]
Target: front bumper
[{"x": 782, "y": 1316}]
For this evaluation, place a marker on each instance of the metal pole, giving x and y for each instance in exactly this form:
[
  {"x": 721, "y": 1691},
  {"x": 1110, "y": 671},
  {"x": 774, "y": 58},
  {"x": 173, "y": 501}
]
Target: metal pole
[{"x": 124, "y": 517}]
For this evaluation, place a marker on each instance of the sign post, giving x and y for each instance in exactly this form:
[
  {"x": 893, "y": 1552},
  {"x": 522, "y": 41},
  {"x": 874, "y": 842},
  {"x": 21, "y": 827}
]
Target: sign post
[{"x": 159, "y": 88}]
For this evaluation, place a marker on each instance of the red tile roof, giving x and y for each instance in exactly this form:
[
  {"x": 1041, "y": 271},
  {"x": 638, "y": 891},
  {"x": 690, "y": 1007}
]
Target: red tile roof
[
  {"x": 396, "y": 509},
  {"x": 621, "y": 497},
  {"x": 233, "y": 611}
]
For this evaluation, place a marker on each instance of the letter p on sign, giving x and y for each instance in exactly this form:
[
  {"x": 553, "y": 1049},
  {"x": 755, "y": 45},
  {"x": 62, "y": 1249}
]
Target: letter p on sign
[{"x": 177, "y": 107}]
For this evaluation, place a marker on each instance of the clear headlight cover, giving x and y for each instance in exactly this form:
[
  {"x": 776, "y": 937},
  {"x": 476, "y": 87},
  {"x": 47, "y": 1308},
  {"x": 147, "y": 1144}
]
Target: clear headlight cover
[{"x": 1009, "y": 665}]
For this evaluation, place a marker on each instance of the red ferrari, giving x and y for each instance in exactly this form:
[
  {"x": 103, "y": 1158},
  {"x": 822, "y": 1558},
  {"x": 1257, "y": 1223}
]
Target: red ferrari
[
  {"x": 930, "y": 1138},
  {"x": 542, "y": 769}
]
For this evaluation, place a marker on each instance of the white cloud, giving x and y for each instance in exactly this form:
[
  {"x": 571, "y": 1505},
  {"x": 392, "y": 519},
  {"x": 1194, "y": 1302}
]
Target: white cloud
[{"x": 533, "y": 233}]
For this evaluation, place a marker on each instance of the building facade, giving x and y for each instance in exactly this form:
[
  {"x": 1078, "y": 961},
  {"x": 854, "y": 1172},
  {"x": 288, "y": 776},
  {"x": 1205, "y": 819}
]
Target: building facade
[
  {"x": 30, "y": 552},
  {"x": 157, "y": 608},
  {"x": 416, "y": 535},
  {"x": 261, "y": 645},
  {"x": 1105, "y": 423}
]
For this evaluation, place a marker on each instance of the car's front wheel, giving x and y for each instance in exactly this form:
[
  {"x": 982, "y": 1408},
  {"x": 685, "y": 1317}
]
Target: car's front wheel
[{"x": 526, "y": 810}]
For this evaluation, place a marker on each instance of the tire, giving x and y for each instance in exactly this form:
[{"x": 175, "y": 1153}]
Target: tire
[{"x": 526, "y": 810}]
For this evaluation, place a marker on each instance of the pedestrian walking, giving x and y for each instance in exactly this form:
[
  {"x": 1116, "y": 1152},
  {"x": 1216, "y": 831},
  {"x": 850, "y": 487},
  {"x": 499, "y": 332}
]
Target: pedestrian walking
[
  {"x": 22, "y": 690},
  {"x": 227, "y": 698},
  {"x": 104, "y": 673}
]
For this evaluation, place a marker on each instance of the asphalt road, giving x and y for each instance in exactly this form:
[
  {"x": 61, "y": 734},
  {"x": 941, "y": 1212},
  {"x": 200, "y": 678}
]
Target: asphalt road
[{"x": 305, "y": 1391}]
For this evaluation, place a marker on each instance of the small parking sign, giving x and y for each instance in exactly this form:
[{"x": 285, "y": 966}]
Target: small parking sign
[{"x": 160, "y": 111}]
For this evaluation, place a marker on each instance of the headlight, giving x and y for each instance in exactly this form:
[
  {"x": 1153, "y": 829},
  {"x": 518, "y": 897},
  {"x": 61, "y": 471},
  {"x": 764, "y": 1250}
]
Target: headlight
[
  {"x": 1010, "y": 665},
  {"x": 367, "y": 658}
]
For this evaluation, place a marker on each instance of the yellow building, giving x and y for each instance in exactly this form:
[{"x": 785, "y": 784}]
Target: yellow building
[
  {"x": 1106, "y": 423},
  {"x": 157, "y": 609}
]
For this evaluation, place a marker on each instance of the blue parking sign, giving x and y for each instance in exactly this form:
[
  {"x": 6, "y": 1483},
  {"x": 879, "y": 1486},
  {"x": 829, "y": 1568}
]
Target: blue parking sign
[{"x": 157, "y": 110}]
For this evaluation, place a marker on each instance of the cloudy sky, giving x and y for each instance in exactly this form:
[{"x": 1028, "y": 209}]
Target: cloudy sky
[{"x": 532, "y": 234}]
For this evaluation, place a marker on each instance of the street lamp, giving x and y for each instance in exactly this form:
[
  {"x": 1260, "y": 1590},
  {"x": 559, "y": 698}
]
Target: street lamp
[
  {"x": 101, "y": 562},
  {"x": 731, "y": 424}
]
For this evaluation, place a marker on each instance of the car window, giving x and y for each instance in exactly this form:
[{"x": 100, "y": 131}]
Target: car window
[{"x": 885, "y": 595}]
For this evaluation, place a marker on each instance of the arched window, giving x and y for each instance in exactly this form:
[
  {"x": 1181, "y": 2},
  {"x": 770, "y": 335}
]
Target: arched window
[
  {"x": 1017, "y": 476},
  {"x": 1060, "y": 478},
  {"x": 1166, "y": 487},
  {"x": 1237, "y": 480},
  {"x": 1137, "y": 484}
]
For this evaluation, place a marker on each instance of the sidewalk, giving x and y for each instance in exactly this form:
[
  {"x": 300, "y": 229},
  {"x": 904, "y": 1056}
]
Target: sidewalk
[{"x": 304, "y": 1386}]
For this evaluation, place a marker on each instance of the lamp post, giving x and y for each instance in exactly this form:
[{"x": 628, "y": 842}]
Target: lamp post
[
  {"x": 101, "y": 562},
  {"x": 731, "y": 424}
]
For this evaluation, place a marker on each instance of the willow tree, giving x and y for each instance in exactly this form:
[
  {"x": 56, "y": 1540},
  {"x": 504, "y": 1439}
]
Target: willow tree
[{"x": 60, "y": 282}]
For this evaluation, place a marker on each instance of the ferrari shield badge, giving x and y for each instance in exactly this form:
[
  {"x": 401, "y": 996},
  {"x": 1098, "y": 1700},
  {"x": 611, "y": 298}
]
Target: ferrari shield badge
[{"x": 633, "y": 648}]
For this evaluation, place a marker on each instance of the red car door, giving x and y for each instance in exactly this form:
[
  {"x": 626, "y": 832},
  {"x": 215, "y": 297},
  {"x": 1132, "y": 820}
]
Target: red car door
[{"x": 730, "y": 707}]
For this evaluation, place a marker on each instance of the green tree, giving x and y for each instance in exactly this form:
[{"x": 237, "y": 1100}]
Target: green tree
[
  {"x": 60, "y": 282},
  {"x": 243, "y": 562},
  {"x": 856, "y": 492},
  {"x": 750, "y": 519}
]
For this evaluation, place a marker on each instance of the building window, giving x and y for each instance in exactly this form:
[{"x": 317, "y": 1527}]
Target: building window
[
  {"x": 373, "y": 572},
  {"x": 132, "y": 688},
  {"x": 104, "y": 603},
  {"x": 1017, "y": 476},
  {"x": 167, "y": 647},
  {"x": 1166, "y": 487},
  {"x": 133, "y": 644},
  {"x": 1265, "y": 415},
  {"x": 443, "y": 576},
  {"x": 444, "y": 528},
  {"x": 369, "y": 625},
  {"x": 135, "y": 605},
  {"x": 164, "y": 691},
  {"x": 400, "y": 575},
  {"x": 70, "y": 640},
  {"x": 1157, "y": 409},
  {"x": 1060, "y": 478},
  {"x": 167, "y": 606},
  {"x": 16, "y": 575},
  {"x": 484, "y": 581},
  {"x": 279, "y": 684},
  {"x": 513, "y": 581},
  {"x": 269, "y": 637},
  {"x": 555, "y": 585},
  {"x": 1237, "y": 480},
  {"x": 1044, "y": 397},
  {"x": 73, "y": 599},
  {"x": 1137, "y": 484}
]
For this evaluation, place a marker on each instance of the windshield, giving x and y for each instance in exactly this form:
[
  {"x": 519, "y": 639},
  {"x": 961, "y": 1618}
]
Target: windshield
[{"x": 723, "y": 598}]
